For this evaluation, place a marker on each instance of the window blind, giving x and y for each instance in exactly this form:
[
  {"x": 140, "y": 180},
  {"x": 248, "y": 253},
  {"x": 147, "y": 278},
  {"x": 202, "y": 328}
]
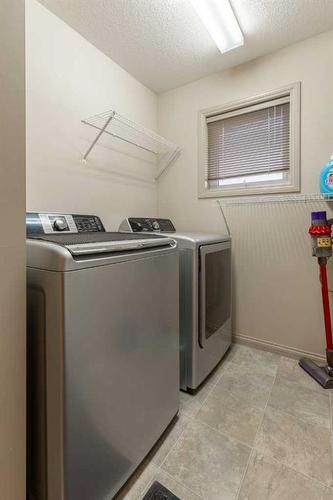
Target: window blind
[{"x": 249, "y": 143}]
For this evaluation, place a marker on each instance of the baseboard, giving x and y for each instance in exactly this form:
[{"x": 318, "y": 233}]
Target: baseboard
[{"x": 265, "y": 345}]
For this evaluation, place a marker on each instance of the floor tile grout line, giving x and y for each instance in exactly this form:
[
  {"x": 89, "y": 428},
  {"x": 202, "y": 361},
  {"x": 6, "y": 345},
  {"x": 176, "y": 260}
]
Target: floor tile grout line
[
  {"x": 315, "y": 388},
  {"x": 219, "y": 379},
  {"x": 144, "y": 486},
  {"x": 253, "y": 450},
  {"x": 238, "y": 398},
  {"x": 172, "y": 447},
  {"x": 195, "y": 416},
  {"x": 201, "y": 403},
  {"x": 278, "y": 461},
  {"x": 265, "y": 354},
  {"x": 287, "y": 466},
  {"x": 194, "y": 419},
  {"x": 305, "y": 387},
  {"x": 224, "y": 368},
  {"x": 214, "y": 384},
  {"x": 224, "y": 434},
  {"x": 160, "y": 467},
  {"x": 147, "y": 485},
  {"x": 263, "y": 370},
  {"x": 265, "y": 409},
  {"x": 182, "y": 485},
  {"x": 297, "y": 417},
  {"x": 244, "y": 473}
]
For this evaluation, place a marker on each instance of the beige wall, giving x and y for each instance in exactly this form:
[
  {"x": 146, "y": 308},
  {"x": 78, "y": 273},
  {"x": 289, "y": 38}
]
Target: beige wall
[
  {"x": 68, "y": 79},
  {"x": 276, "y": 295},
  {"x": 12, "y": 251}
]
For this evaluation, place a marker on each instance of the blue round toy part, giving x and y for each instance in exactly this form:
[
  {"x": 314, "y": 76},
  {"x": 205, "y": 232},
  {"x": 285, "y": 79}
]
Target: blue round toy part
[
  {"x": 326, "y": 178},
  {"x": 318, "y": 216}
]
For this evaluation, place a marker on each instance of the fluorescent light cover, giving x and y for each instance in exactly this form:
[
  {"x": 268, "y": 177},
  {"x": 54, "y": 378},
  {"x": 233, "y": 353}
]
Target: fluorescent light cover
[{"x": 220, "y": 22}]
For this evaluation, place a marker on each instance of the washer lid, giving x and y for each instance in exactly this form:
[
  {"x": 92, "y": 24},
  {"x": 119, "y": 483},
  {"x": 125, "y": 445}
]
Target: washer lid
[
  {"x": 195, "y": 240},
  {"x": 96, "y": 243}
]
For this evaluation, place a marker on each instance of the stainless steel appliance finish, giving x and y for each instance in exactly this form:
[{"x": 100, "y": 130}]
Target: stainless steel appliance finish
[
  {"x": 103, "y": 332},
  {"x": 205, "y": 296}
]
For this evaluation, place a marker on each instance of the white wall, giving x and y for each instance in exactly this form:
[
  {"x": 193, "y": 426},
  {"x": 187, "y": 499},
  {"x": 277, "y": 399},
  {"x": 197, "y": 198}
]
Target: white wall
[
  {"x": 68, "y": 79},
  {"x": 276, "y": 297},
  {"x": 12, "y": 252},
  {"x": 276, "y": 294}
]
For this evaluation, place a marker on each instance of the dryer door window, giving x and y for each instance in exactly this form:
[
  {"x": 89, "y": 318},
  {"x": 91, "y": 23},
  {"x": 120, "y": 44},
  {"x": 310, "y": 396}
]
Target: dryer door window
[{"x": 215, "y": 288}]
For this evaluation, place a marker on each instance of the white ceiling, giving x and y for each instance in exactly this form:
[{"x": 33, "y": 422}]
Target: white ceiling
[{"x": 164, "y": 45}]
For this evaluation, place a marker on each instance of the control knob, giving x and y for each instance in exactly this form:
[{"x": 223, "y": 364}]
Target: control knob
[
  {"x": 60, "y": 225},
  {"x": 136, "y": 226}
]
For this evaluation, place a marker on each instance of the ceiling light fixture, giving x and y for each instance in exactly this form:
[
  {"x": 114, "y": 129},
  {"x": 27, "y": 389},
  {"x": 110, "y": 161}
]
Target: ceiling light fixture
[{"x": 220, "y": 22}]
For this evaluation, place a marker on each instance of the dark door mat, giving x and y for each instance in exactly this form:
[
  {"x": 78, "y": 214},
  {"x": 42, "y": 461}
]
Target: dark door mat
[{"x": 159, "y": 492}]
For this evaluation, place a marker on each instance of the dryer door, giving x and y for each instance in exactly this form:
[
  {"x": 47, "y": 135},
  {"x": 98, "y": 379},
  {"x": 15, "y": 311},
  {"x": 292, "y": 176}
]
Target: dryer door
[{"x": 215, "y": 289}]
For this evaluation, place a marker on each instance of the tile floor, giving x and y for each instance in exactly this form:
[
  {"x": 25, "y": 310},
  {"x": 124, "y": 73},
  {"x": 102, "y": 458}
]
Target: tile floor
[{"x": 258, "y": 429}]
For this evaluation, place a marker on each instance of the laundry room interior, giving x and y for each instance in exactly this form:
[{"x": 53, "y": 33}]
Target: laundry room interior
[{"x": 166, "y": 186}]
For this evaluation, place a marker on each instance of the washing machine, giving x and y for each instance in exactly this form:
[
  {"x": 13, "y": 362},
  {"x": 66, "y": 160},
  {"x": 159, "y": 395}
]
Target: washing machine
[
  {"x": 103, "y": 356},
  {"x": 205, "y": 296}
]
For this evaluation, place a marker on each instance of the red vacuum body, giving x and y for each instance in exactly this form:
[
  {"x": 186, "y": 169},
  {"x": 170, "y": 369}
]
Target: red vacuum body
[
  {"x": 326, "y": 306},
  {"x": 320, "y": 232}
]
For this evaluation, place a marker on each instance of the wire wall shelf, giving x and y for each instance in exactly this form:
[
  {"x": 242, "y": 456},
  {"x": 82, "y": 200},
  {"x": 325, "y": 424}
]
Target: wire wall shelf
[
  {"x": 155, "y": 147},
  {"x": 283, "y": 198}
]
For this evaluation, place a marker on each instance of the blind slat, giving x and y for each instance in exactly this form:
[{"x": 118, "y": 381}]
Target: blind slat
[{"x": 247, "y": 144}]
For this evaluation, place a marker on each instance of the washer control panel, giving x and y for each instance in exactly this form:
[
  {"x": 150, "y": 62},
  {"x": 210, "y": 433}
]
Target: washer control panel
[
  {"x": 138, "y": 224},
  {"x": 50, "y": 223}
]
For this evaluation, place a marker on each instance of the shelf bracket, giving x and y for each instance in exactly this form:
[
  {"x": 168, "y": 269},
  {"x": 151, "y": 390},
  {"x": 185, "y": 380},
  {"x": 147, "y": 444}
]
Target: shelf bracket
[{"x": 102, "y": 130}]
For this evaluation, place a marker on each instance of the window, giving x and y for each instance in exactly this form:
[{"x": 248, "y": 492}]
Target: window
[{"x": 251, "y": 146}]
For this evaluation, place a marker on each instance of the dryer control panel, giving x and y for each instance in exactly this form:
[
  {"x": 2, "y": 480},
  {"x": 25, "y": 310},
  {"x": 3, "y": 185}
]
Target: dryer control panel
[
  {"x": 51, "y": 223},
  {"x": 141, "y": 224}
]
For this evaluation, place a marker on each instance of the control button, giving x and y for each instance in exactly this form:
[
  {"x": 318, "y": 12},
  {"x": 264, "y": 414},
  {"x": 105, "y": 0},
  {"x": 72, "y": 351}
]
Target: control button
[
  {"x": 156, "y": 225},
  {"x": 60, "y": 225}
]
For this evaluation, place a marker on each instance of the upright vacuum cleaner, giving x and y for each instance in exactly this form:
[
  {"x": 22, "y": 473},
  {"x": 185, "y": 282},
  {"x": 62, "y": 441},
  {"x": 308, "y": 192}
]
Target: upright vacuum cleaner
[{"x": 320, "y": 232}]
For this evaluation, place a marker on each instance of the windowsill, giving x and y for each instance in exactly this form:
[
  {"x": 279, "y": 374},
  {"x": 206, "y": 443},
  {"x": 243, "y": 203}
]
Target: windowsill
[{"x": 247, "y": 191}]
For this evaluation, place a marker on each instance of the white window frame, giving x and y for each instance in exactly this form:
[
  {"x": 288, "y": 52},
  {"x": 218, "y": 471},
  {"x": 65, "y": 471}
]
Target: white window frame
[{"x": 292, "y": 185}]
